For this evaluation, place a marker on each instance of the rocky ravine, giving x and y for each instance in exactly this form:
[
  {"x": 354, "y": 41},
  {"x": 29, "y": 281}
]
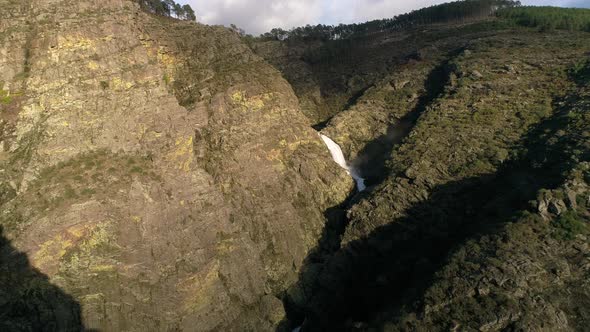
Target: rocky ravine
[
  {"x": 158, "y": 173},
  {"x": 473, "y": 139}
]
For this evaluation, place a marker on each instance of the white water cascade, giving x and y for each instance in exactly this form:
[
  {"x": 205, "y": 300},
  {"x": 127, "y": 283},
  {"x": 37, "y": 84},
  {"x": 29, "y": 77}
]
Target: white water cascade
[{"x": 338, "y": 157}]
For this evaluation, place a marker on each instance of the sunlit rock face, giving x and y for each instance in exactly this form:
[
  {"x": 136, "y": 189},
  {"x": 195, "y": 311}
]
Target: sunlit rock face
[{"x": 156, "y": 170}]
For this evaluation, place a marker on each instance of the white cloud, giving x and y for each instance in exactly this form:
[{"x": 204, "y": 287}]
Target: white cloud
[{"x": 258, "y": 16}]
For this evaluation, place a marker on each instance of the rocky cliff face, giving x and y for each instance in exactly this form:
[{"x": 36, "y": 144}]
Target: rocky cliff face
[
  {"x": 158, "y": 175},
  {"x": 157, "y": 171}
]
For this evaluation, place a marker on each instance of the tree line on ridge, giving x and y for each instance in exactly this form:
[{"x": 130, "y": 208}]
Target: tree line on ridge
[{"x": 168, "y": 8}]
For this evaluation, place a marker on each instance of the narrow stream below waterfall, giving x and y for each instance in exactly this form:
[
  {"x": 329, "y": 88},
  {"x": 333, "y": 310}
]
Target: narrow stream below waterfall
[{"x": 338, "y": 157}]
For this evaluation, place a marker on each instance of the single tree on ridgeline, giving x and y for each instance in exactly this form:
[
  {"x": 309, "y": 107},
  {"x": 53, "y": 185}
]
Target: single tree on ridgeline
[
  {"x": 189, "y": 13},
  {"x": 169, "y": 6},
  {"x": 178, "y": 11}
]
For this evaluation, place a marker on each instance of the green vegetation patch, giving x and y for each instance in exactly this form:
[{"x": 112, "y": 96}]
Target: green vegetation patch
[
  {"x": 5, "y": 97},
  {"x": 580, "y": 72},
  {"x": 568, "y": 225},
  {"x": 548, "y": 18},
  {"x": 96, "y": 173}
]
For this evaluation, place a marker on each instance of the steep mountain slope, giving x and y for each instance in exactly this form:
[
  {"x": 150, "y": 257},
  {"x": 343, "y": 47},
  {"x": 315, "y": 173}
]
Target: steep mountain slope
[
  {"x": 157, "y": 171},
  {"x": 473, "y": 138},
  {"x": 159, "y": 175},
  {"x": 526, "y": 268}
]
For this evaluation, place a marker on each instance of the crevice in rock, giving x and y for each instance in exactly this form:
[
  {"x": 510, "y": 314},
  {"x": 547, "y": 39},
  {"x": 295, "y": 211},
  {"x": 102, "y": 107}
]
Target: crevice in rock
[{"x": 372, "y": 160}]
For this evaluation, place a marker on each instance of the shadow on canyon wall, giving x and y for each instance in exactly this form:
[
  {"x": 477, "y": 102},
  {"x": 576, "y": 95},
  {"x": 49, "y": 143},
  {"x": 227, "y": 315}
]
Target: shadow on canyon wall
[{"x": 28, "y": 301}]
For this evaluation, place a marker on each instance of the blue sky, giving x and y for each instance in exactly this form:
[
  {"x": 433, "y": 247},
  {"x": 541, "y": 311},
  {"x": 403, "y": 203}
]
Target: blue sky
[{"x": 258, "y": 16}]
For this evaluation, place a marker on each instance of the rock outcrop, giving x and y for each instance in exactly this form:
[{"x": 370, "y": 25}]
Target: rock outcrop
[{"x": 155, "y": 170}]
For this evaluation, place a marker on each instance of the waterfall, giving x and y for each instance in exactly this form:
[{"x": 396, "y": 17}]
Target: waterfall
[{"x": 338, "y": 157}]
